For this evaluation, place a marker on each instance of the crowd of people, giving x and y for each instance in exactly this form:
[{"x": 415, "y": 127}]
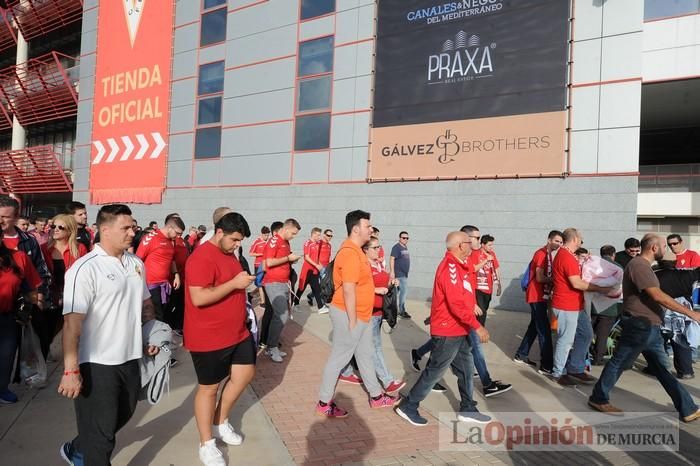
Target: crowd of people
[{"x": 100, "y": 285}]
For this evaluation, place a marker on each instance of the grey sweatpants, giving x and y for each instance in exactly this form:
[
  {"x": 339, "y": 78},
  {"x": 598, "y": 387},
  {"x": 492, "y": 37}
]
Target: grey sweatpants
[
  {"x": 345, "y": 344},
  {"x": 278, "y": 294}
]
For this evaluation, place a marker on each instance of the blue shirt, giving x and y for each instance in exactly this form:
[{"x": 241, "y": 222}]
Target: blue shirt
[{"x": 402, "y": 260}]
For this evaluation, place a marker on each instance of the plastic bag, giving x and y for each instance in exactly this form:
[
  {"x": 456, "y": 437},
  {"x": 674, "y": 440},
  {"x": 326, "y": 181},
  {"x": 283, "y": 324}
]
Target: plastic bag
[{"x": 32, "y": 367}]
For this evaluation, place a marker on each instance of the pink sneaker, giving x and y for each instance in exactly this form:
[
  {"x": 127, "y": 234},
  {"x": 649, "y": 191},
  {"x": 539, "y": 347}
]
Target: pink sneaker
[
  {"x": 395, "y": 386},
  {"x": 352, "y": 379},
  {"x": 330, "y": 410},
  {"x": 384, "y": 401}
]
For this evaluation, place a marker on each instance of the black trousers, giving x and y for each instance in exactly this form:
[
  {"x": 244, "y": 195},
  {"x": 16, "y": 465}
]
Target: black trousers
[
  {"x": 601, "y": 326},
  {"x": 106, "y": 403},
  {"x": 312, "y": 280},
  {"x": 266, "y": 319},
  {"x": 44, "y": 323},
  {"x": 483, "y": 300},
  {"x": 158, "y": 304},
  {"x": 175, "y": 316}
]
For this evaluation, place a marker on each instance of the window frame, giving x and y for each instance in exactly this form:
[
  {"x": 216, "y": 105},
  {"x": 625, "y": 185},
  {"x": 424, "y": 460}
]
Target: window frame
[
  {"x": 208, "y": 96},
  {"x": 207, "y": 11},
  {"x": 313, "y": 112}
]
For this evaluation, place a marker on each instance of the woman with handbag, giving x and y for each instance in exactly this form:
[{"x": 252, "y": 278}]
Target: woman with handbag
[
  {"x": 382, "y": 282},
  {"x": 62, "y": 250},
  {"x": 17, "y": 276}
]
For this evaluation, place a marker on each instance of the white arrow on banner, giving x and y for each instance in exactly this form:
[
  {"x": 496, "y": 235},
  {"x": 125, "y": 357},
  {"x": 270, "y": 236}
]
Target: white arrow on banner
[
  {"x": 100, "y": 152},
  {"x": 160, "y": 145},
  {"x": 115, "y": 149},
  {"x": 129, "y": 148},
  {"x": 144, "y": 146}
]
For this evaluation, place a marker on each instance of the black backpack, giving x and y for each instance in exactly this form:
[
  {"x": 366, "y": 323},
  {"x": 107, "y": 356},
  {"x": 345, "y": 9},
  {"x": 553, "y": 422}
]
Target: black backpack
[
  {"x": 327, "y": 287},
  {"x": 390, "y": 306}
]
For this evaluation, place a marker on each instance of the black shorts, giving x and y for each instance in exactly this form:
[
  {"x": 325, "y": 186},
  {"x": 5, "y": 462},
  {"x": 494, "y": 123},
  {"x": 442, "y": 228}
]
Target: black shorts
[{"x": 214, "y": 366}]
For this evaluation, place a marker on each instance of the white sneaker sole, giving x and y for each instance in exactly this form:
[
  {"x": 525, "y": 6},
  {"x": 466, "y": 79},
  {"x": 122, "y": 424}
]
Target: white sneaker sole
[
  {"x": 500, "y": 392},
  {"x": 404, "y": 416},
  {"x": 63, "y": 455},
  {"x": 461, "y": 418},
  {"x": 236, "y": 443}
]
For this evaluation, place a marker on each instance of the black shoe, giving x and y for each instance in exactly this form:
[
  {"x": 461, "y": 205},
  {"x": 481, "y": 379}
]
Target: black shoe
[
  {"x": 545, "y": 372},
  {"x": 685, "y": 376},
  {"x": 496, "y": 388},
  {"x": 414, "y": 360},
  {"x": 174, "y": 362},
  {"x": 310, "y": 301},
  {"x": 438, "y": 388},
  {"x": 405, "y": 315},
  {"x": 518, "y": 360}
]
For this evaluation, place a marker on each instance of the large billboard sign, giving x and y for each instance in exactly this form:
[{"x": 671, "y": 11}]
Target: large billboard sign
[
  {"x": 469, "y": 88},
  {"x": 132, "y": 101}
]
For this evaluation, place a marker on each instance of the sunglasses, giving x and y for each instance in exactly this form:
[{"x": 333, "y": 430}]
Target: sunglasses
[
  {"x": 404, "y": 237},
  {"x": 674, "y": 244},
  {"x": 60, "y": 227},
  {"x": 329, "y": 236}
]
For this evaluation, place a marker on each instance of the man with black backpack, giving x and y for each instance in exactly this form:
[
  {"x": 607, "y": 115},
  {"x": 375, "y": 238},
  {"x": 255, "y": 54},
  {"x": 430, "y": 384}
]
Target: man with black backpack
[{"x": 350, "y": 312}]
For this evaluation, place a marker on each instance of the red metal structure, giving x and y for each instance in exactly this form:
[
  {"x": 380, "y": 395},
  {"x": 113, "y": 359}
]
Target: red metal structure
[
  {"x": 32, "y": 170},
  {"x": 8, "y": 38},
  {"x": 41, "y": 89},
  {"x": 37, "y": 17}
]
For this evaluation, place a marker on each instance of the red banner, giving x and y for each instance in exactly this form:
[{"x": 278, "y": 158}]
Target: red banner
[{"x": 132, "y": 101}]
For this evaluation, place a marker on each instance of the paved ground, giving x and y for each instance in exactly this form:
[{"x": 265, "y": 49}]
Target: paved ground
[{"x": 277, "y": 419}]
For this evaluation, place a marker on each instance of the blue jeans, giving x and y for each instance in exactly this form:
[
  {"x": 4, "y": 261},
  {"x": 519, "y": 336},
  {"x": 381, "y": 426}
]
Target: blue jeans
[
  {"x": 8, "y": 347},
  {"x": 426, "y": 348},
  {"x": 454, "y": 352},
  {"x": 403, "y": 290},
  {"x": 538, "y": 328},
  {"x": 574, "y": 336},
  {"x": 638, "y": 336},
  {"x": 479, "y": 359}
]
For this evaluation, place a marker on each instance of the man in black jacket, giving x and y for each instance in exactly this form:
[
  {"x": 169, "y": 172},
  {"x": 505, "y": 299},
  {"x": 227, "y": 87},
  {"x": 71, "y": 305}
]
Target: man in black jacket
[
  {"x": 79, "y": 213},
  {"x": 679, "y": 283}
]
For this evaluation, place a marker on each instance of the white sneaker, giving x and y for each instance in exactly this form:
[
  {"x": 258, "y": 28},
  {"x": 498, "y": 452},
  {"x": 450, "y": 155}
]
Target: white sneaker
[
  {"x": 323, "y": 310},
  {"x": 275, "y": 354},
  {"x": 226, "y": 433},
  {"x": 268, "y": 352},
  {"x": 209, "y": 455}
]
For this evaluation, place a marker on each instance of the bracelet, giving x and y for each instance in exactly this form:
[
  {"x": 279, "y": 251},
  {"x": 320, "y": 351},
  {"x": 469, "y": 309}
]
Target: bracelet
[{"x": 74, "y": 372}]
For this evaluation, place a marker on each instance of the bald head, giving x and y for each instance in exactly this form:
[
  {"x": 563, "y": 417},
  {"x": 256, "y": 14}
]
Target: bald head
[
  {"x": 650, "y": 240},
  {"x": 454, "y": 239},
  {"x": 220, "y": 212}
]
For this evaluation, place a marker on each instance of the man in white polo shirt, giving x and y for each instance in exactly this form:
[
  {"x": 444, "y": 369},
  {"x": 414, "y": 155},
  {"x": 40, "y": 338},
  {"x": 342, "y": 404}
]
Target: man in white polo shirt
[{"x": 105, "y": 302}]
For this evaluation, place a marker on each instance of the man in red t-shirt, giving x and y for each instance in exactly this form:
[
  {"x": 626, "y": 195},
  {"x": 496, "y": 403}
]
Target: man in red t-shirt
[
  {"x": 310, "y": 271},
  {"x": 278, "y": 258},
  {"x": 537, "y": 295},
  {"x": 216, "y": 333},
  {"x": 256, "y": 251},
  {"x": 488, "y": 277},
  {"x": 177, "y": 298},
  {"x": 157, "y": 251},
  {"x": 574, "y": 329},
  {"x": 685, "y": 258}
]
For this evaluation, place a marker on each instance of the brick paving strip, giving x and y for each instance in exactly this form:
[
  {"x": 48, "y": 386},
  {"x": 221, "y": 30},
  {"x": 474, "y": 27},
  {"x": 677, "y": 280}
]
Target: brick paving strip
[
  {"x": 377, "y": 437},
  {"x": 289, "y": 393}
]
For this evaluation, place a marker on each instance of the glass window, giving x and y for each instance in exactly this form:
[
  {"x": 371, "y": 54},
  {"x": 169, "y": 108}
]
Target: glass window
[
  {"x": 207, "y": 143},
  {"x": 316, "y": 56},
  {"x": 313, "y": 8},
  {"x": 654, "y": 9},
  {"x": 314, "y": 94},
  {"x": 213, "y": 27},
  {"x": 213, "y": 3},
  {"x": 211, "y": 78},
  {"x": 313, "y": 132},
  {"x": 209, "y": 111}
]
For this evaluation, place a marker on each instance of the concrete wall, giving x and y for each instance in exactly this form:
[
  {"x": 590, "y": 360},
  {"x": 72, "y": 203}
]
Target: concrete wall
[
  {"x": 318, "y": 188},
  {"x": 671, "y": 48}
]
